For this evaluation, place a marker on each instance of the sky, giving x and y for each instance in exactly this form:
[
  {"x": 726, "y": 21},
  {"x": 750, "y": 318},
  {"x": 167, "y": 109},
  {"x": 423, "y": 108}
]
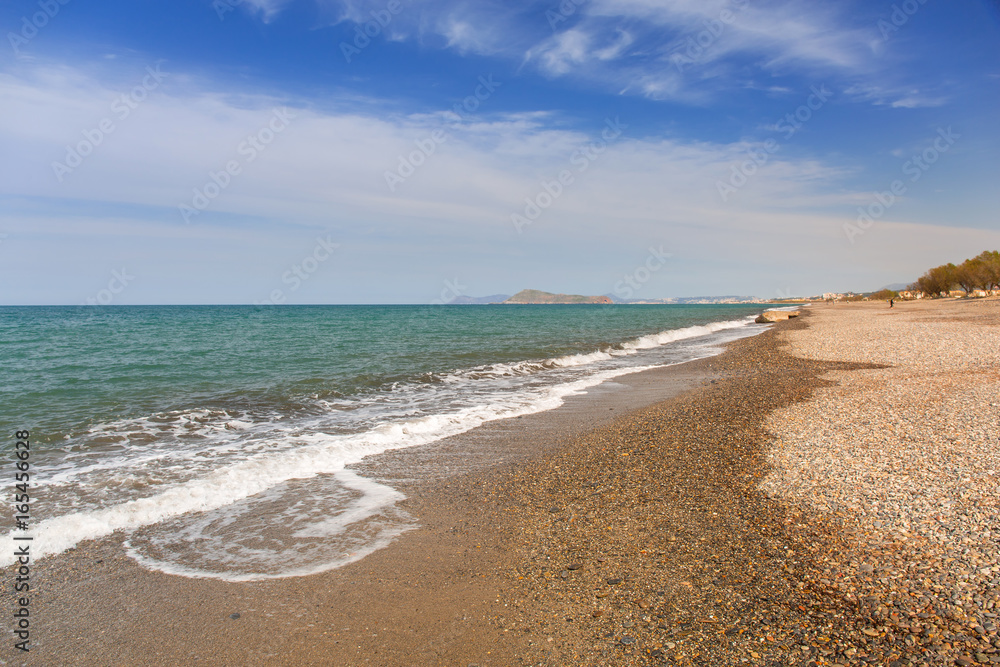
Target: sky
[{"x": 409, "y": 151}]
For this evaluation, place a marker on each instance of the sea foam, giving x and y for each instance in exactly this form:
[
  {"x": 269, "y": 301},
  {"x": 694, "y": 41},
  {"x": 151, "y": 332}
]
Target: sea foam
[{"x": 212, "y": 491}]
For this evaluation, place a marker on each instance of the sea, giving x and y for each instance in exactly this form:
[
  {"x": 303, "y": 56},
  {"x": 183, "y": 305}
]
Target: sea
[{"x": 216, "y": 441}]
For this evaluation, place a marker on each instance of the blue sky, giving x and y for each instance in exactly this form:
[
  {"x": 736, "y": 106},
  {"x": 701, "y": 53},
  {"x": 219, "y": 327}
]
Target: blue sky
[{"x": 403, "y": 151}]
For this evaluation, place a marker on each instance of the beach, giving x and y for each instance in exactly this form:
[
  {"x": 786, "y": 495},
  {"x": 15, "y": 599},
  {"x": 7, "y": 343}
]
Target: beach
[{"x": 822, "y": 493}]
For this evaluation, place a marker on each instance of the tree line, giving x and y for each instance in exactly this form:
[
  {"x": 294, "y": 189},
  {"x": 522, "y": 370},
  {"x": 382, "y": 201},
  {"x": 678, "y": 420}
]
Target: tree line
[{"x": 980, "y": 272}]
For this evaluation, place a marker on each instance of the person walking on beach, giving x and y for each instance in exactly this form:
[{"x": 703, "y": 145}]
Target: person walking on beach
[{"x": 890, "y": 303}]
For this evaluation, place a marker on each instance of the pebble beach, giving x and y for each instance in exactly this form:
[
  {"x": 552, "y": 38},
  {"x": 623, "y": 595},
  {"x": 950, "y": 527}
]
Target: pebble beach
[
  {"x": 905, "y": 459},
  {"x": 833, "y": 500}
]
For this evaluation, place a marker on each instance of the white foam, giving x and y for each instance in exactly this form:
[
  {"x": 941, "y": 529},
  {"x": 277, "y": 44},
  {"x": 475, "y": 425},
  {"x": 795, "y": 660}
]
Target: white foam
[
  {"x": 627, "y": 348},
  {"x": 274, "y": 454},
  {"x": 316, "y": 453},
  {"x": 315, "y": 542},
  {"x": 674, "y": 335}
]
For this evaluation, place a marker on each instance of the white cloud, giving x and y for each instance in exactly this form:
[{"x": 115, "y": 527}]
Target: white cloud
[
  {"x": 326, "y": 160},
  {"x": 687, "y": 50},
  {"x": 327, "y": 170},
  {"x": 564, "y": 52},
  {"x": 266, "y": 9},
  {"x": 896, "y": 97},
  {"x": 630, "y": 45},
  {"x": 616, "y": 49}
]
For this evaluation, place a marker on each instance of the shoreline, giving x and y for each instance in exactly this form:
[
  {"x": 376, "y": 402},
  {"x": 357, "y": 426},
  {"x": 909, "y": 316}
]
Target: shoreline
[
  {"x": 98, "y": 580},
  {"x": 625, "y": 536},
  {"x": 680, "y": 559}
]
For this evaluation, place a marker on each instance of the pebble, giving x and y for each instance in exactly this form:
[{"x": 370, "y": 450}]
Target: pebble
[
  {"x": 902, "y": 458},
  {"x": 832, "y": 500}
]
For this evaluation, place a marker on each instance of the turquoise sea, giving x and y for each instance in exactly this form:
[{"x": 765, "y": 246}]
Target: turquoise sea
[{"x": 217, "y": 438}]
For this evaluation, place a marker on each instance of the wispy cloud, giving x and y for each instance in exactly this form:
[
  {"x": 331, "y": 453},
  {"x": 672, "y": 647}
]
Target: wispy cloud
[
  {"x": 895, "y": 97},
  {"x": 336, "y": 161},
  {"x": 265, "y": 9},
  {"x": 327, "y": 170},
  {"x": 629, "y": 45}
]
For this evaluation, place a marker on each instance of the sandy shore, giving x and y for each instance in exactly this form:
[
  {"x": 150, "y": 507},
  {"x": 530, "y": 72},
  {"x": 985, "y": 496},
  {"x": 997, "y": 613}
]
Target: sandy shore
[
  {"x": 750, "y": 508},
  {"x": 428, "y": 599}
]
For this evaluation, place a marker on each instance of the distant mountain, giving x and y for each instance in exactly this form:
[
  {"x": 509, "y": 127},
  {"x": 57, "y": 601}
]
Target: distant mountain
[
  {"x": 895, "y": 287},
  {"x": 536, "y": 296},
  {"x": 471, "y": 300}
]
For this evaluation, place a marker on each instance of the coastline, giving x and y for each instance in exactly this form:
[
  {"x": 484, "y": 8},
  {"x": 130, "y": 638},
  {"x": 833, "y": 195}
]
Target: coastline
[
  {"x": 583, "y": 535},
  {"x": 148, "y": 617}
]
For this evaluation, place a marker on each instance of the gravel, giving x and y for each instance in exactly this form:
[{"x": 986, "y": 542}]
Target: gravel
[
  {"x": 904, "y": 460},
  {"x": 832, "y": 500}
]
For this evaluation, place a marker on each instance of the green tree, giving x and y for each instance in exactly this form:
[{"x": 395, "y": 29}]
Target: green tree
[
  {"x": 937, "y": 280},
  {"x": 988, "y": 269},
  {"x": 883, "y": 295},
  {"x": 968, "y": 275}
]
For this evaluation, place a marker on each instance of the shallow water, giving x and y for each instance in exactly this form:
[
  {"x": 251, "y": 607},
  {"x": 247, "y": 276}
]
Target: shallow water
[{"x": 216, "y": 438}]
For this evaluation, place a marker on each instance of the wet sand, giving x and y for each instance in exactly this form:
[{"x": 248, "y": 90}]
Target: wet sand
[{"x": 429, "y": 598}]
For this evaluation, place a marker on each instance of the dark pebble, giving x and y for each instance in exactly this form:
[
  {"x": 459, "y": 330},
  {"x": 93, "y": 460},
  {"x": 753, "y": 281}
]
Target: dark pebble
[{"x": 234, "y": 616}]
